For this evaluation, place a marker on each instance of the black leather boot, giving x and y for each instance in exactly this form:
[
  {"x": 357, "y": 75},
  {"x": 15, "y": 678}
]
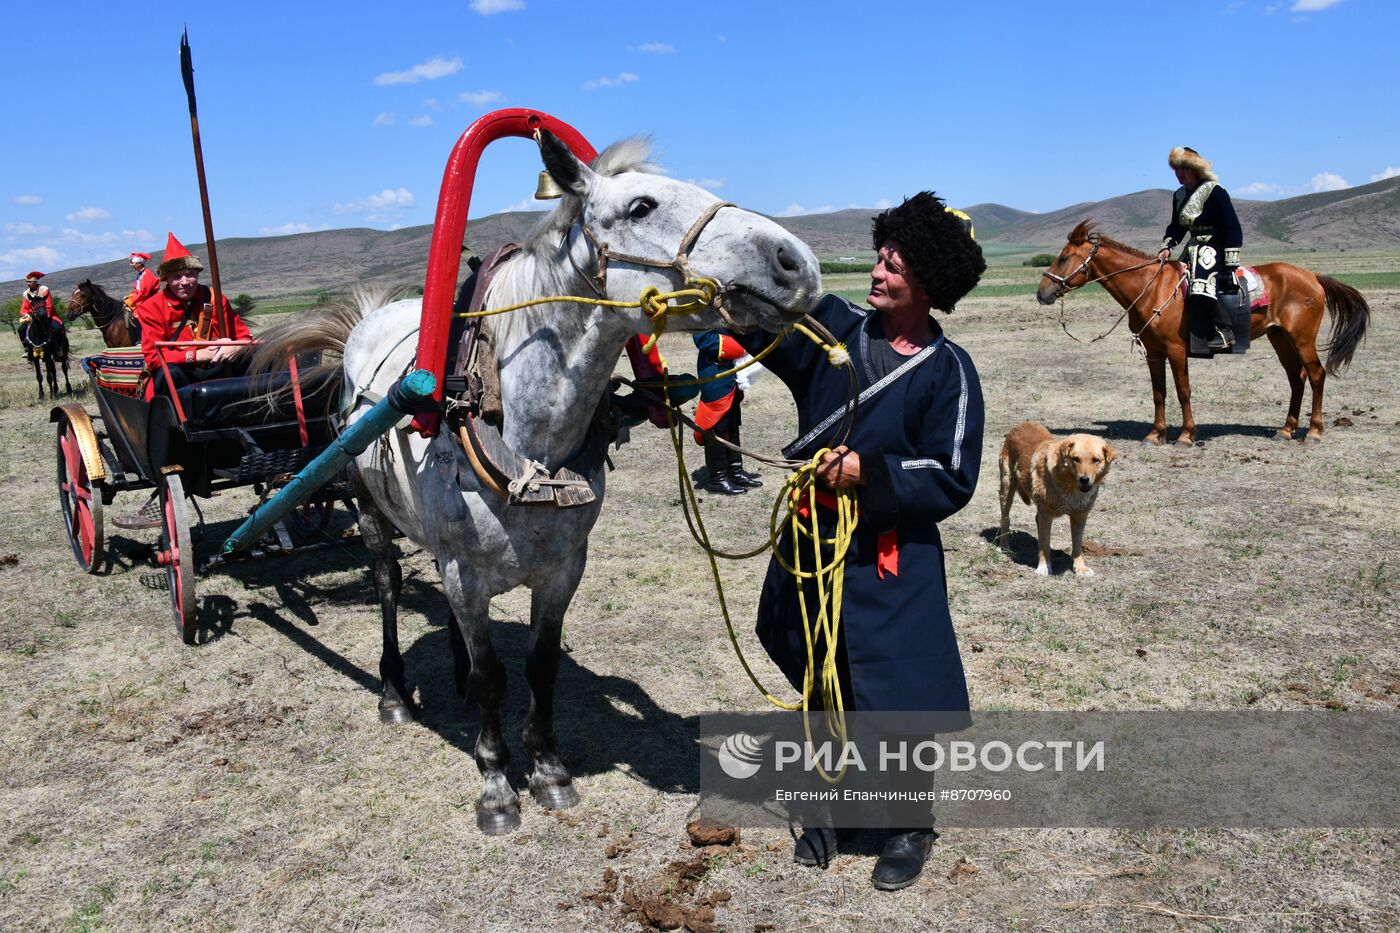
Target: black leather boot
[
  {"x": 816, "y": 847},
  {"x": 902, "y": 861},
  {"x": 737, "y": 474},
  {"x": 1224, "y": 337},
  {"x": 717, "y": 463}
]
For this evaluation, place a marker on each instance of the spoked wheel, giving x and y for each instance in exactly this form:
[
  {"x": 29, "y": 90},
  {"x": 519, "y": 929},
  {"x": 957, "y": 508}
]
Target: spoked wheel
[
  {"x": 79, "y": 499},
  {"x": 176, "y": 555}
]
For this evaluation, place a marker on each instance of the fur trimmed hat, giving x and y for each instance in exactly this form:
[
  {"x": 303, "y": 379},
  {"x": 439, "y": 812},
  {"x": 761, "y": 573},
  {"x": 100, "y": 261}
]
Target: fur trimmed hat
[
  {"x": 139, "y": 257},
  {"x": 937, "y": 245},
  {"x": 176, "y": 259},
  {"x": 34, "y": 276},
  {"x": 1186, "y": 157}
]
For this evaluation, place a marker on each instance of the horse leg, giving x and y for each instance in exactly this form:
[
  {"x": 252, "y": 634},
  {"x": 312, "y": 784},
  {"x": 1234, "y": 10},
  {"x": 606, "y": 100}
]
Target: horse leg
[
  {"x": 1157, "y": 367},
  {"x": 1317, "y": 375},
  {"x": 67, "y": 384},
  {"x": 551, "y": 784},
  {"x": 395, "y": 706},
  {"x": 1293, "y": 369},
  {"x": 1182, "y": 378},
  {"x": 39, "y": 378},
  {"x": 51, "y": 370},
  {"x": 498, "y": 806}
]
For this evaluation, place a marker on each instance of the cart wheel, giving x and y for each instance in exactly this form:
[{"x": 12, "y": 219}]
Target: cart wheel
[
  {"x": 177, "y": 556},
  {"x": 80, "y": 501}
]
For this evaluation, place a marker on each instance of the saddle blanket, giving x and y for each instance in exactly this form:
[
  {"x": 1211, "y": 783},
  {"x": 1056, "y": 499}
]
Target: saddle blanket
[{"x": 1250, "y": 280}]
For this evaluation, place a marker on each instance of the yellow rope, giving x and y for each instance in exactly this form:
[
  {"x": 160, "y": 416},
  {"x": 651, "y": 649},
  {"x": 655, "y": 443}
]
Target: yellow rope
[{"x": 827, "y": 574}]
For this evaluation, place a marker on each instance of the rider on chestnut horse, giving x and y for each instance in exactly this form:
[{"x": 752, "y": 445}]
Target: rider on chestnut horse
[{"x": 1203, "y": 209}]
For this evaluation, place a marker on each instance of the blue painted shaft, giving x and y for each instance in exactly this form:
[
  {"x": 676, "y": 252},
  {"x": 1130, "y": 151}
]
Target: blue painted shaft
[{"x": 404, "y": 398}]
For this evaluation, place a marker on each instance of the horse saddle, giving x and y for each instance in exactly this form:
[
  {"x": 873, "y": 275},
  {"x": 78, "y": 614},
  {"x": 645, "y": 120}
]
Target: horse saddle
[{"x": 477, "y": 416}]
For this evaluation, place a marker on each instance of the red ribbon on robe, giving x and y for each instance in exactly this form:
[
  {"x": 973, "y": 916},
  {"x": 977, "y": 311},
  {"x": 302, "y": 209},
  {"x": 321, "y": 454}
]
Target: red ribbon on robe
[{"x": 886, "y": 543}]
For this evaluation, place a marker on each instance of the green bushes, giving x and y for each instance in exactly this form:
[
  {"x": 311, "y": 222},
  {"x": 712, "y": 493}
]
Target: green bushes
[{"x": 1040, "y": 261}]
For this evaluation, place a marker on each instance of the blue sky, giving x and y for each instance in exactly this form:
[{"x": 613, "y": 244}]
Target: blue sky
[{"x": 321, "y": 115}]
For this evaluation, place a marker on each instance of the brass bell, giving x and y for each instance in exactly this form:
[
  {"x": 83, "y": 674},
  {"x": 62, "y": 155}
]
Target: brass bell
[{"x": 547, "y": 189}]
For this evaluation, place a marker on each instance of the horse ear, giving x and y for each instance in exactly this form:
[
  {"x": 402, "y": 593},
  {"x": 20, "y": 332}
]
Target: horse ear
[{"x": 565, "y": 167}]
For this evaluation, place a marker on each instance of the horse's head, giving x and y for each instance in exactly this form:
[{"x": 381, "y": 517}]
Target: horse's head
[
  {"x": 627, "y": 228},
  {"x": 81, "y": 301},
  {"x": 1071, "y": 267}
]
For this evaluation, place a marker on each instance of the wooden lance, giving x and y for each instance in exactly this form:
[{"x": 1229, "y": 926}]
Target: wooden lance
[{"x": 205, "y": 321}]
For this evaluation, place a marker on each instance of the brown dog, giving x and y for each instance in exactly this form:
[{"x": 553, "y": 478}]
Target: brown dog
[{"x": 1059, "y": 476}]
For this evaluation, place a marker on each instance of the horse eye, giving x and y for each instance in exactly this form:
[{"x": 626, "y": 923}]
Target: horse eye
[{"x": 640, "y": 208}]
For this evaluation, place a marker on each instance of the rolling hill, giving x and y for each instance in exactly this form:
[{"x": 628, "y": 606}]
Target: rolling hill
[{"x": 1364, "y": 217}]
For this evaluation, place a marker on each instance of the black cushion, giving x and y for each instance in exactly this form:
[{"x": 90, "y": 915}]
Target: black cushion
[{"x": 237, "y": 401}]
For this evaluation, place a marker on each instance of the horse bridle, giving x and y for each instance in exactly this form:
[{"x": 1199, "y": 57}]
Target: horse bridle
[
  {"x": 1063, "y": 281},
  {"x": 605, "y": 255}
]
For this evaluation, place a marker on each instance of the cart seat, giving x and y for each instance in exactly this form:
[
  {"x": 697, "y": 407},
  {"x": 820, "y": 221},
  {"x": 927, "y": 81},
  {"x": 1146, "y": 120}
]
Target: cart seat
[{"x": 236, "y": 401}]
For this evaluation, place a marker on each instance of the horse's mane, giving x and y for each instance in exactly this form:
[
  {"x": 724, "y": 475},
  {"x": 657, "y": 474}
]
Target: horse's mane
[
  {"x": 538, "y": 271},
  {"x": 1080, "y": 235}
]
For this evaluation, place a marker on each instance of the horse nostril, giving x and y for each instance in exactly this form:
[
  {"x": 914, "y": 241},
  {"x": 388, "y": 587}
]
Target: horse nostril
[{"x": 786, "y": 261}]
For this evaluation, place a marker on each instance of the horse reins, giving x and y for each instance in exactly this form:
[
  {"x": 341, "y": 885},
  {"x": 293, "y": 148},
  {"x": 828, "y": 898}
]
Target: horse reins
[{"x": 1083, "y": 267}]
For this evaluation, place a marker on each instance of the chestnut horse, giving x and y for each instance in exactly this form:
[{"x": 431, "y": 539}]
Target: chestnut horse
[
  {"x": 111, "y": 315},
  {"x": 1152, "y": 293}
]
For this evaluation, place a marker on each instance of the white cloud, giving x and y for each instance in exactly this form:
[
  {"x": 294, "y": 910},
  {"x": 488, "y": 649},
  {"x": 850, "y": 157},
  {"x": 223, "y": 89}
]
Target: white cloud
[
  {"x": 710, "y": 184},
  {"x": 27, "y": 199},
  {"x": 423, "y": 120},
  {"x": 429, "y": 70},
  {"x": 88, "y": 215},
  {"x": 528, "y": 204},
  {"x": 1260, "y": 189},
  {"x": 380, "y": 207},
  {"x": 1312, "y": 6},
  {"x": 656, "y": 48},
  {"x": 1390, "y": 172},
  {"x": 480, "y": 98},
  {"x": 795, "y": 209},
  {"x": 1327, "y": 181},
  {"x": 290, "y": 228},
  {"x": 884, "y": 204},
  {"x": 385, "y": 119},
  {"x": 27, "y": 230},
  {"x": 625, "y": 77},
  {"x": 432, "y": 104},
  {"x": 40, "y": 256},
  {"x": 492, "y": 7}
]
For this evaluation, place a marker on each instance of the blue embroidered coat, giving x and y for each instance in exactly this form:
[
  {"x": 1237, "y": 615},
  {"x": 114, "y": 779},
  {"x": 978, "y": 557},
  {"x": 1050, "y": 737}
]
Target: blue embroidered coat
[{"x": 919, "y": 435}]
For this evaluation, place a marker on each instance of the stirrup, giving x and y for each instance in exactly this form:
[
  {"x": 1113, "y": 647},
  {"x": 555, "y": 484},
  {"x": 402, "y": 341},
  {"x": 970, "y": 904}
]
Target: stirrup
[
  {"x": 149, "y": 515},
  {"x": 1220, "y": 342}
]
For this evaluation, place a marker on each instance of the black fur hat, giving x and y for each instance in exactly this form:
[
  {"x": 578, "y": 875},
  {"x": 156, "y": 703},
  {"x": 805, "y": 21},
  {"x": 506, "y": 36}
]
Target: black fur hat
[{"x": 941, "y": 254}]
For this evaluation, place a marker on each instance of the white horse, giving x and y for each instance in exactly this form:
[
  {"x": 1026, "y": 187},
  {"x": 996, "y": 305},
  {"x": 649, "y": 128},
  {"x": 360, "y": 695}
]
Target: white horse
[{"x": 555, "y": 361}]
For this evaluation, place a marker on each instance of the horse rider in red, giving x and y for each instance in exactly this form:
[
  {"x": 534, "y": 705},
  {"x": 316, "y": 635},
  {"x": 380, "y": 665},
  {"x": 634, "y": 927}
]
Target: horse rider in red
[
  {"x": 145, "y": 285},
  {"x": 172, "y": 314},
  {"x": 36, "y": 295}
]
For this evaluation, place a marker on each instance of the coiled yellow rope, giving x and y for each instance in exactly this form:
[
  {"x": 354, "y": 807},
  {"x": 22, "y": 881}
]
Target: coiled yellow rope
[{"x": 827, "y": 570}]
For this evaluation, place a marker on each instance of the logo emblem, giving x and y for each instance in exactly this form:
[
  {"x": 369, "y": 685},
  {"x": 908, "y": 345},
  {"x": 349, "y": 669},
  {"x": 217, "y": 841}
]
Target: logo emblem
[{"x": 741, "y": 756}]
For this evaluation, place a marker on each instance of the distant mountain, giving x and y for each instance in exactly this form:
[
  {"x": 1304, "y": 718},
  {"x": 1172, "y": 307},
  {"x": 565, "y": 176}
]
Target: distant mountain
[{"x": 1364, "y": 217}]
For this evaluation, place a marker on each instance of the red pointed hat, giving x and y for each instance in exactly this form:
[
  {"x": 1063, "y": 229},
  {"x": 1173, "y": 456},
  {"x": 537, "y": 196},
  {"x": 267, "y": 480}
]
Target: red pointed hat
[
  {"x": 34, "y": 276},
  {"x": 144, "y": 257},
  {"x": 177, "y": 259}
]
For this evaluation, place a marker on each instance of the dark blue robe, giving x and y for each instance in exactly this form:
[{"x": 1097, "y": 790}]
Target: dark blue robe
[{"x": 919, "y": 436}]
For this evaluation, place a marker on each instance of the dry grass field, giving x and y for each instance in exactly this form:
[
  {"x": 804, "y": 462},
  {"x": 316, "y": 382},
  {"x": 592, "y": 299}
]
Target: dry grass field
[{"x": 246, "y": 784}]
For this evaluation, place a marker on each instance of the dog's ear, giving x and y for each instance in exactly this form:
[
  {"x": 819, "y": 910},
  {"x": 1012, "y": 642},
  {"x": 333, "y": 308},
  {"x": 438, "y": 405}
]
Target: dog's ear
[
  {"x": 1063, "y": 450},
  {"x": 1109, "y": 454}
]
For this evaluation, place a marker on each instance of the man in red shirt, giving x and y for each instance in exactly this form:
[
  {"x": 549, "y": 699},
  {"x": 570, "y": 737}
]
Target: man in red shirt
[
  {"x": 172, "y": 314},
  {"x": 36, "y": 295},
  {"x": 145, "y": 284}
]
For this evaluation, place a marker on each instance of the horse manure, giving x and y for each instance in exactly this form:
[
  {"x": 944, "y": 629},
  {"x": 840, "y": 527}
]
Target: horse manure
[
  {"x": 9, "y": 559},
  {"x": 962, "y": 868},
  {"x": 1343, "y": 422},
  {"x": 709, "y": 832}
]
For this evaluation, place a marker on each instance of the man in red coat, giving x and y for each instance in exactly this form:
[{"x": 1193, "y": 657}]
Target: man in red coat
[
  {"x": 145, "y": 283},
  {"x": 173, "y": 313},
  {"x": 36, "y": 295}
]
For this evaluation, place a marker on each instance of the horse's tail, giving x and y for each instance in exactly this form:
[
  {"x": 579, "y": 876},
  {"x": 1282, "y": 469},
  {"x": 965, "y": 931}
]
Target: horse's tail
[
  {"x": 1350, "y": 315},
  {"x": 325, "y": 331}
]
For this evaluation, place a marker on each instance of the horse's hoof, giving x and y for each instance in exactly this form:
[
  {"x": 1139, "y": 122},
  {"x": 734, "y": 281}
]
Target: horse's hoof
[
  {"x": 555, "y": 796},
  {"x": 497, "y": 824},
  {"x": 395, "y": 714},
  {"x": 1311, "y": 441},
  {"x": 1185, "y": 442},
  {"x": 1284, "y": 436}
]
